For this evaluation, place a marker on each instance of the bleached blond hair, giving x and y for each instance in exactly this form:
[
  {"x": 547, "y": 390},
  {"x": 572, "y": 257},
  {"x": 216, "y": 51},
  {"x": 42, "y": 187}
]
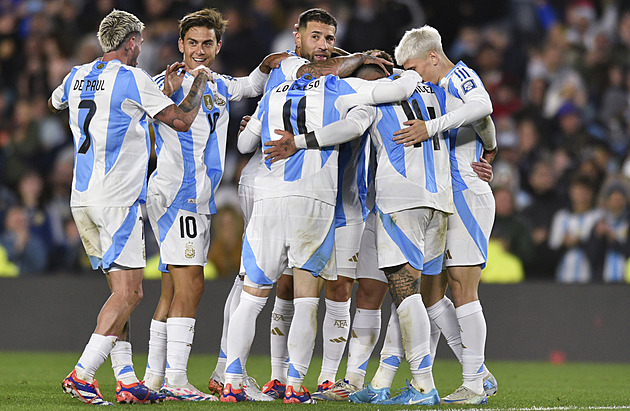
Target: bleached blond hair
[
  {"x": 115, "y": 27},
  {"x": 417, "y": 43}
]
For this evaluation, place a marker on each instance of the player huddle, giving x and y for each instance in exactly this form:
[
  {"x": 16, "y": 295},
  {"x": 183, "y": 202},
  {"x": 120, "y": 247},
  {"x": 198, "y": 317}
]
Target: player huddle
[{"x": 362, "y": 173}]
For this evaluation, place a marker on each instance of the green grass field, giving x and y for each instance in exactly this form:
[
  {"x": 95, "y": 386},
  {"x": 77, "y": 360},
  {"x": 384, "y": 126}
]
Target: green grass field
[{"x": 32, "y": 380}]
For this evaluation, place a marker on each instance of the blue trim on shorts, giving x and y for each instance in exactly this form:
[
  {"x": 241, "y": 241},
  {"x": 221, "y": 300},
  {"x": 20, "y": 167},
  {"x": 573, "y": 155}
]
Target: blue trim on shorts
[
  {"x": 120, "y": 238},
  {"x": 468, "y": 219},
  {"x": 434, "y": 267},
  {"x": 253, "y": 271},
  {"x": 412, "y": 253},
  {"x": 321, "y": 256}
]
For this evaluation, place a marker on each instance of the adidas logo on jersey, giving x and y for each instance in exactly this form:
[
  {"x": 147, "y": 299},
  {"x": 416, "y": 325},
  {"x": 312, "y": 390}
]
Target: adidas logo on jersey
[{"x": 354, "y": 258}]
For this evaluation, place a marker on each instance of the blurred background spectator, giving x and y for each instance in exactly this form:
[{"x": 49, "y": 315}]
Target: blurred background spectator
[{"x": 558, "y": 73}]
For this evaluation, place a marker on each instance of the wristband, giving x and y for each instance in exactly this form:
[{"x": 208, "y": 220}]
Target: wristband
[{"x": 311, "y": 141}]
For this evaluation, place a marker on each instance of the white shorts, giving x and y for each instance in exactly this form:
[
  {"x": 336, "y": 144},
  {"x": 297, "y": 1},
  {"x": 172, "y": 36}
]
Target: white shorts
[
  {"x": 347, "y": 243},
  {"x": 469, "y": 229},
  {"x": 289, "y": 232},
  {"x": 246, "y": 201},
  {"x": 183, "y": 236},
  {"x": 416, "y": 236},
  {"x": 113, "y": 237},
  {"x": 368, "y": 263}
]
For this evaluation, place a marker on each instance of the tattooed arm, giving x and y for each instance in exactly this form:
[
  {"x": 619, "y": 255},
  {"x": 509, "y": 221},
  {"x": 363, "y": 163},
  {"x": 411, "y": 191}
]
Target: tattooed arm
[
  {"x": 181, "y": 117},
  {"x": 341, "y": 66}
]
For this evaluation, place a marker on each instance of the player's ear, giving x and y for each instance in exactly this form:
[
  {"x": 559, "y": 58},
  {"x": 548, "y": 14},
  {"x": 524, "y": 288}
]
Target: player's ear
[
  {"x": 297, "y": 37},
  {"x": 218, "y": 47},
  {"x": 180, "y": 45}
]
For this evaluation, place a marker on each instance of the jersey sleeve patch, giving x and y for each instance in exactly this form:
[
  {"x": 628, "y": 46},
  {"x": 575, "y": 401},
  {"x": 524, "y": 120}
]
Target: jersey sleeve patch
[{"x": 468, "y": 85}]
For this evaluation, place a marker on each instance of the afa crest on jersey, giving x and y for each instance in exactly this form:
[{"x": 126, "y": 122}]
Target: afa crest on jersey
[
  {"x": 468, "y": 85},
  {"x": 219, "y": 100}
]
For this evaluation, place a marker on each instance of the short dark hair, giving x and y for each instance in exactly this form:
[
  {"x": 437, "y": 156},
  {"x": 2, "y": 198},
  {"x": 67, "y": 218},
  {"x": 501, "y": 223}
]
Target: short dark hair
[
  {"x": 210, "y": 18},
  {"x": 318, "y": 15},
  {"x": 365, "y": 68}
]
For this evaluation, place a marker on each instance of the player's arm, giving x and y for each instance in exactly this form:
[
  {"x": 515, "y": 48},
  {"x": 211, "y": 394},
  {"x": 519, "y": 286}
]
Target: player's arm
[
  {"x": 254, "y": 84},
  {"x": 181, "y": 117},
  {"x": 381, "y": 92},
  {"x": 354, "y": 125},
  {"x": 58, "y": 101},
  {"x": 249, "y": 137},
  {"x": 341, "y": 66},
  {"x": 477, "y": 105},
  {"x": 52, "y": 108}
]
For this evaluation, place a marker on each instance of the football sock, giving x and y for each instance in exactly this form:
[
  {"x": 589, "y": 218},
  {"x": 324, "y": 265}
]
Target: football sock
[
  {"x": 391, "y": 353},
  {"x": 335, "y": 330},
  {"x": 122, "y": 363},
  {"x": 94, "y": 354},
  {"x": 473, "y": 330},
  {"x": 366, "y": 327},
  {"x": 442, "y": 314},
  {"x": 180, "y": 335},
  {"x": 301, "y": 340},
  {"x": 281, "y": 318},
  {"x": 416, "y": 332},
  {"x": 230, "y": 305},
  {"x": 156, "y": 360},
  {"x": 240, "y": 336}
]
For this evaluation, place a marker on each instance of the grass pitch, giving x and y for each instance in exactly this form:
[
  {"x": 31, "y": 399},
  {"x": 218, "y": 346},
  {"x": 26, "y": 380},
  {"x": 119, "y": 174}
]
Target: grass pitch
[{"x": 32, "y": 381}]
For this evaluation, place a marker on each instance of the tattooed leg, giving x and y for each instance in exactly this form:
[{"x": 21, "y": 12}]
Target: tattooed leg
[{"x": 404, "y": 280}]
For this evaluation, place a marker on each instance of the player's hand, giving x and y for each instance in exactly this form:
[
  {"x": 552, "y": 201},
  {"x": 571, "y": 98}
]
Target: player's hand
[
  {"x": 489, "y": 155},
  {"x": 244, "y": 122},
  {"x": 280, "y": 149},
  {"x": 202, "y": 69},
  {"x": 382, "y": 63},
  {"x": 414, "y": 134},
  {"x": 272, "y": 61},
  {"x": 173, "y": 78},
  {"x": 483, "y": 169}
]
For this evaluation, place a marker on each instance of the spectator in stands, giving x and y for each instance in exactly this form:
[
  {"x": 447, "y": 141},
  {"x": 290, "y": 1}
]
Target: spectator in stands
[
  {"x": 24, "y": 248},
  {"x": 608, "y": 245},
  {"x": 570, "y": 231},
  {"x": 225, "y": 247},
  {"x": 514, "y": 231},
  {"x": 544, "y": 199}
]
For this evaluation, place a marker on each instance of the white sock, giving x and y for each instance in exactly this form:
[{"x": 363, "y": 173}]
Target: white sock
[
  {"x": 180, "y": 335},
  {"x": 391, "y": 353},
  {"x": 415, "y": 330},
  {"x": 281, "y": 318},
  {"x": 301, "y": 340},
  {"x": 240, "y": 336},
  {"x": 473, "y": 329},
  {"x": 156, "y": 360},
  {"x": 442, "y": 314},
  {"x": 366, "y": 327},
  {"x": 94, "y": 355},
  {"x": 434, "y": 339},
  {"x": 230, "y": 305},
  {"x": 335, "y": 329},
  {"x": 122, "y": 363}
]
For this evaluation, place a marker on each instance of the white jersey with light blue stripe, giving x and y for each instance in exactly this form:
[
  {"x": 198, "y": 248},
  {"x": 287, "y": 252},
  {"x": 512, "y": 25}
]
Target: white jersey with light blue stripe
[
  {"x": 299, "y": 107},
  {"x": 574, "y": 266},
  {"x": 286, "y": 72},
  {"x": 614, "y": 260},
  {"x": 351, "y": 205},
  {"x": 108, "y": 104},
  {"x": 466, "y": 146},
  {"x": 416, "y": 176},
  {"x": 190, "y": 164}
]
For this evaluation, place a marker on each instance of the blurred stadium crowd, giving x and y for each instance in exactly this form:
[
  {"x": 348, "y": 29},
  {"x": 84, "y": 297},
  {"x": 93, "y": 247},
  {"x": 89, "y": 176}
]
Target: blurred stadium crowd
[{"x": 558, "y": 73}]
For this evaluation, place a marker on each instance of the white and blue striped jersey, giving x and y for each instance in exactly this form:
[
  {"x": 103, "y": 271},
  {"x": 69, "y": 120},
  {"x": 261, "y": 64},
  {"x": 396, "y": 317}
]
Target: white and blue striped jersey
[
  {"x": 614, "y": 270},
  {"x": 574, "y": 266},
  {"x": 351, "y": 207},
  {"x": 287, "y": 71},
  {"x": 108, "y": 103},
  {"x": 299, "y": 107},
  {"x": 466, "y": 146},
  {"x": 415, "y": 176},
  {"x": 190, "y": 164}
]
